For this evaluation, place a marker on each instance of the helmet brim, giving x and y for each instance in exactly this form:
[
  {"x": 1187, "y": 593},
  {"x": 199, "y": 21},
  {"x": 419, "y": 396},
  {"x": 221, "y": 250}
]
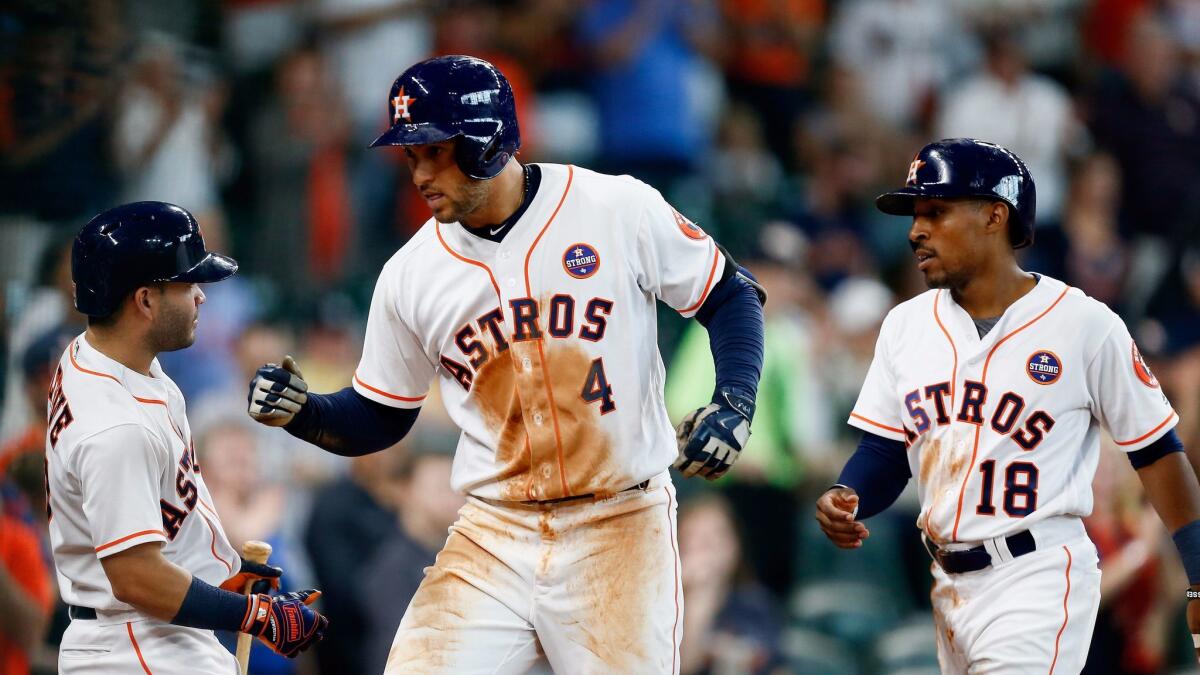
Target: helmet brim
[
  {"x": 901, "y": 202},
  {"x": 214, "y": 267},
  {"x": 415, "y": 134}
]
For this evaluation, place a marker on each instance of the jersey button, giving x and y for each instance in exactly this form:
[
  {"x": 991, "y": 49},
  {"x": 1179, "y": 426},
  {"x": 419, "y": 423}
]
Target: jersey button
[
  {"x": 510, "y": 282},
  {"x": 505, "y": 255},
  {"x": 537, "y": 418},
  {"x": 527, "y": 364}
]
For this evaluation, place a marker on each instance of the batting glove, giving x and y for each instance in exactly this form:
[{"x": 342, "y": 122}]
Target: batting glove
[
  {"x": 265, "y": 578},
  {"x": 285, "y": 622},
  {"x": 712, "y": 438},
  {"x": 276, "y": 393}
]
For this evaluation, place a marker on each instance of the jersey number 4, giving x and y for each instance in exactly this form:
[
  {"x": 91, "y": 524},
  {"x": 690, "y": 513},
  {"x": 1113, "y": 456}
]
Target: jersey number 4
[
  {"x": 596, "y": 387},
  {"x": 1020, "y": 489}
]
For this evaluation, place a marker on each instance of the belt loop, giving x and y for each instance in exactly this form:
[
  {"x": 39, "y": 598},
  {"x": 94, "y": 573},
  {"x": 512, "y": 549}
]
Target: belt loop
[{"x": 997, "y": 548}]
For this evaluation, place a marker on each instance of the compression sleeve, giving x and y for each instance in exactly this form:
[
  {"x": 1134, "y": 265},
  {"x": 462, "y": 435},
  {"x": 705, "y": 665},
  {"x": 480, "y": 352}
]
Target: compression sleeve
[
  {"x": 1170, "y": 442},
  {"x": 350, "y": 424},
  {"x": 877, "y": 471},
  {"x": 733, "y": 316}
]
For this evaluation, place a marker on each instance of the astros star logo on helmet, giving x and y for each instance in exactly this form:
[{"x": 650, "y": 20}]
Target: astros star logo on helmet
[
  {"x": 400, "y": 106},
  {"x": 916, "y": 165}
]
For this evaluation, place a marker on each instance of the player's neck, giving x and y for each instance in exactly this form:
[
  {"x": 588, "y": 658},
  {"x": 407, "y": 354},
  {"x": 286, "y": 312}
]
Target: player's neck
[
  {"x": 508, "y": 191},
  {"x": 124, "y": 349},
  {"x": 987, "y": 295}
]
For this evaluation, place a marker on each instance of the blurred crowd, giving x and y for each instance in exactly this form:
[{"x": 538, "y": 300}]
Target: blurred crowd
[{"x": 772, "y": 123}]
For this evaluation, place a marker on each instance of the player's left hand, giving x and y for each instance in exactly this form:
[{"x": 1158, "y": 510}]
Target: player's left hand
[
  {"x": 712, "y": 438},
  {"x": 285, "y": 623},
  {"x": 265, "y": 578}
]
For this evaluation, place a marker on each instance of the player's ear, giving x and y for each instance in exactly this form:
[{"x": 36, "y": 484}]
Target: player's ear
[
  {"x": 145, "y": 300},
  {"x": 997, "y": 218}
]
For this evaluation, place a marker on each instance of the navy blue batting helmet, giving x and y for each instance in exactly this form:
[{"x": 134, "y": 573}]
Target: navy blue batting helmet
[
  {"x": 965, "y": 167},
  {"x": 456, "y": 97},
  {"x": 136, "y": 244}
]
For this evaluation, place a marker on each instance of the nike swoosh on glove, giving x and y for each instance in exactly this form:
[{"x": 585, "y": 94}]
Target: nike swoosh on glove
[
  {"x": 277, "y": 393},
  {"x": 712, "y": 438}
]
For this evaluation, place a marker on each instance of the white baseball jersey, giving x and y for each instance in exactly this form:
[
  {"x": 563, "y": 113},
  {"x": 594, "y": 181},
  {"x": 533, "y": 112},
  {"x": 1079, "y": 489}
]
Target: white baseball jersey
[
  {"x": 121, "y": 471},
  {"x": 544, "y": 344},
  {"x": 1003, "y": 431}
]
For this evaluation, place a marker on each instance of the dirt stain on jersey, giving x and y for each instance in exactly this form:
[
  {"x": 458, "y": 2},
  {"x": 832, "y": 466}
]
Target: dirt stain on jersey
[{"x": 531, "y": 396}]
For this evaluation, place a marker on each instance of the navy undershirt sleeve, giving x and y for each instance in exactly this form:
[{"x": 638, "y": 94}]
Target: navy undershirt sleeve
[
  {"x": 1170, "y": 442},
  {"x": 878, "y": 471},
  {"x": 733, "y": 316},
  {"x": 350, "y": 424}
]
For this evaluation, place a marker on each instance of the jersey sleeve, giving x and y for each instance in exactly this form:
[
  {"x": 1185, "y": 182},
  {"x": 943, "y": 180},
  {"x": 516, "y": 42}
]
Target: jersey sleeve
[
  {"x": 1126, "y": 397},
  {"x": 394, "y": 369},
  {"x": 878, "y": 408},
  {"x": 677, "y": 261},
  {"x": 120, "y": 472}
]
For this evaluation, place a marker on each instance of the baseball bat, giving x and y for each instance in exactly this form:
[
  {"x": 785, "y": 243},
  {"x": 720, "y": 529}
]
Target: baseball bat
[{"x": 254, "y": 551}]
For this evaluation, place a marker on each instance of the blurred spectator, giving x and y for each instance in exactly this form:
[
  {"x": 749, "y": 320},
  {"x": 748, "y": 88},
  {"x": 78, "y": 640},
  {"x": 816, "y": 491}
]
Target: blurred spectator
[
  {"x": 251, "y": 508},
  {"x": 1171, "y": 335},
  {"x": 792, "y": 425},
  {"x": 26, "y": 595},
  {"x": 303, "y": 231},
  {"x": 166, "y": 139},
  {"x": 47, "y": 303},
  {"x": 651, "y": 84},
  {"x": 1127, "y": 535},
  {"x": 857, "y": 307},
  {"x": 746, "y": 181},
  {"x": 427, "y": 506},
  {"x": 731, "y": 625},
  {"x": 1097, "y": 260},
  {"x": 1148, "y": 117},
  {"x": 351, "y": 517},
  {"x": 1027, "y": 113},
  {"x": 57, "y": 83},
  {"x": 22, "y": 459},
  {"x": 772, "y": 47},
  {"x": 903, "y": 52},
  {"x": 368, "y": 43}
]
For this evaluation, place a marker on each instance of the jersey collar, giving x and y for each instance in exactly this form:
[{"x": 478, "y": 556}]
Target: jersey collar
[
  {"x": 90, "y": 361},
  {"x": 1017, "y": 314}
]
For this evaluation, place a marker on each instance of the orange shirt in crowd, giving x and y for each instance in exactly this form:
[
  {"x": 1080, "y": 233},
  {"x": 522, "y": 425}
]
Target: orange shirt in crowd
[{"x": 21, "y": 555}]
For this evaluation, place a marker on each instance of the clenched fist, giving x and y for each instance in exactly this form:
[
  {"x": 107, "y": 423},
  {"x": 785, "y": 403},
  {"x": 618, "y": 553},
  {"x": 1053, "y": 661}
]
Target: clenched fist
[
  {"x": 277, "y": 393},
  {"x": 836, "y": 513}
]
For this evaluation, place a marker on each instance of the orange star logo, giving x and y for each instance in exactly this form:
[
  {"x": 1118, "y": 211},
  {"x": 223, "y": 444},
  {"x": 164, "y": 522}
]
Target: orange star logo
[
  {"x": 400, "y": 106},
  {"x": 912, "y": 171}
]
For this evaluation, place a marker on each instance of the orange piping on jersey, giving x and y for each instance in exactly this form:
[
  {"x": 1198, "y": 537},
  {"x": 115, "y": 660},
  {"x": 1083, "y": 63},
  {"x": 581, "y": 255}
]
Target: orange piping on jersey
[
  {"x": 1066, "y": 595},
  {"x": 213, "y": 546},
  {"x": 71, "y": 355},
  {"x": 437, "y": 227},
  {"x": 562, "y": 472},
  {"x": 127, "y": 537},
  {"x": 954, "y": 372},
  {"x": 1150, "y": 433},
  {"x": 708, "y": 284},
  {"x": 137, "y": 650},
  {"x": 881, "y": 426},
  {"x": 986, "y": 362},
  {"x": 409, "y": 399},
  {"x": 674, "y": 588}
]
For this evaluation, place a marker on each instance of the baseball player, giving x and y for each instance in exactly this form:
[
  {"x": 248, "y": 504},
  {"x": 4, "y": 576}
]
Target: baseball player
[
  {"x": 530, "y": 298},
  {"x": 138, "y": 547},
  {"x": 991, "y": 388}
]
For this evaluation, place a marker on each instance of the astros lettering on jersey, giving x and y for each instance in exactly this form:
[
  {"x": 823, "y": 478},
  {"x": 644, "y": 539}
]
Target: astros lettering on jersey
[
  {"x": 545, "y": 344},
  {"x": 121, "y": 471},
  {"x": 1003, "y": 431}
]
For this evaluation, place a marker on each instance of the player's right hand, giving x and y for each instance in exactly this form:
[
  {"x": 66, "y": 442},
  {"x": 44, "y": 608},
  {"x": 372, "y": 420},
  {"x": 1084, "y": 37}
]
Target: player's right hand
[
  {"x": 836, "y": 512},
  {"x": 276, "y": 393},
  {"x": 285, "y": 622}
]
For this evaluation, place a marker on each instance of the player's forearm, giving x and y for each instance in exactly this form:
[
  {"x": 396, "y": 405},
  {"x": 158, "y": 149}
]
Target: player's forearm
[
  {"x": 1172, "y": 489},
  {"x": 878, "y": 471},
  {"x": 22, "y": 621},
  {"x": 733, "y": 316},
  {"x": 143, "y": 578},
  {"x": 349, "y": 424}
]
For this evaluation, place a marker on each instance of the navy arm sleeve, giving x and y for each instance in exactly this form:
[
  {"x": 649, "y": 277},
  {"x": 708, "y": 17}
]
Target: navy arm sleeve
[
  {"x": 877, "y": 471},
  {"x": 350, "y": 424},
  {"x": 1170, "y": 442},
  {"x": 733, "y": 316}
]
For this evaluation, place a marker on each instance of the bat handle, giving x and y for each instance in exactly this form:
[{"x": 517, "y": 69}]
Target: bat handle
[{"x": 259, "y": 552}]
